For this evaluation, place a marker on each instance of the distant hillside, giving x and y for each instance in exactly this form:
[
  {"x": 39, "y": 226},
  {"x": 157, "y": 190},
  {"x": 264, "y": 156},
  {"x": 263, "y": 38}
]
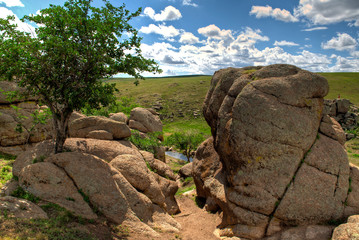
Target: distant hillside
[
  {"x": 344, "y": 84},
  {"x": 181, "y": 98}
]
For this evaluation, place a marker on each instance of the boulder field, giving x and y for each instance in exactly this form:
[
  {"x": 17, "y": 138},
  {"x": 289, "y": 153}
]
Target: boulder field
[{"x": 275, "y": 161}]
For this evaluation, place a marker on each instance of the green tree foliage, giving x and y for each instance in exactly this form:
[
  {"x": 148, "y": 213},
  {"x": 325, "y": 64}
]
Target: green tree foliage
[
  {"x": 75, "y": 46},
  {"x": 186, "y": 142}
]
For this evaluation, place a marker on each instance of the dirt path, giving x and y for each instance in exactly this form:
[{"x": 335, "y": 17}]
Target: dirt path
[{"x": 197, "y": 224}]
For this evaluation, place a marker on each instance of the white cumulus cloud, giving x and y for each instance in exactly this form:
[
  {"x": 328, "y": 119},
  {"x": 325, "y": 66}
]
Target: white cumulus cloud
[
  {"x": 343, "y": 41},
  {"x": 329, "y": 11},
  {"x": 188, "y": 38},
  {"x": 268, "y": 11},
  {"x": 12, "y": 3},
  {"x": 285, "y": 43},
  {"x": 165, "y": 31},
  {"x": 4, "y": 12},
  {"x": 189, "y": 3},
  {"x": 170, "y": 13}
]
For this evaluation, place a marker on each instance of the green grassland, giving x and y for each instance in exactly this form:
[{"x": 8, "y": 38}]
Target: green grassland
[
  {"x": 184, "y": 95},
  {"x": 345, "y": 84}
]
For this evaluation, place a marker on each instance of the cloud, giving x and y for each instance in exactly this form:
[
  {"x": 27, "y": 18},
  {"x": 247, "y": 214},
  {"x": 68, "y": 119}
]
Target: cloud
[
  {"x": 329, "y": 11},
  {"x": 166, "y": 31},
  {"x": 314, "y": 29},
  {"x": 171, "y": 60},
  {"x": 285, "y": 43},
  {"x": 12, "y": 3},
  {"x": 188, "y": 38},
  {"x": 343, "y": 42},
  {"x": 268, "y": 11},
  {"x": 189, "y": 3},
  {"x": 25, "y": 27},
  {"x": 212, "y": 32},
  {"x": 170, "y": 13}
]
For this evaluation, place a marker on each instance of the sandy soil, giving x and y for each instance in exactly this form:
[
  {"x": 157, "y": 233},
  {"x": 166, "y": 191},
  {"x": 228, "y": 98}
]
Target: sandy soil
[{"x": 197, "y": 224}]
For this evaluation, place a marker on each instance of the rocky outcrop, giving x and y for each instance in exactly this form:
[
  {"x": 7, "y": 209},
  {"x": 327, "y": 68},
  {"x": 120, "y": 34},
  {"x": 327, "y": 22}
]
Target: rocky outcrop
[
  {"x": 120, "y": 117},
  {"x": 17, "y": 120},
  {"x": 349, "y": 230},
  {"x": 158, "y": 166},
  {"x": 344, "y": 112},
  {"x": 21, "y": 208},
  {"x": 119, "y": 187},
  {"x": 282, "y": 165},
  {"x": 186, "y": 170},
  {"x": 145, "y": 120},
  {"x": 99, "y": 128}
]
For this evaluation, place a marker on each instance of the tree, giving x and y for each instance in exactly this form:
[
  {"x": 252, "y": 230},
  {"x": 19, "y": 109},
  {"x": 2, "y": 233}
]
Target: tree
[
  {"x": 75, "y": 46},
  {"x": 186, "y": 142}
]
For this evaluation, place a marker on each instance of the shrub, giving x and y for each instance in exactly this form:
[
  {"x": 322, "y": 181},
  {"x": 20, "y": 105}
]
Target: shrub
[
  {"x": 148, "y": 143},
  {"x": 186, "y": 142},
  {"x": 125, "y": 105}
]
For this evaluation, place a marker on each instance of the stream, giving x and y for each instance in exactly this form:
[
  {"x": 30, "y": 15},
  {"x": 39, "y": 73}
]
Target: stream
[{"x": 178, "y": 156}]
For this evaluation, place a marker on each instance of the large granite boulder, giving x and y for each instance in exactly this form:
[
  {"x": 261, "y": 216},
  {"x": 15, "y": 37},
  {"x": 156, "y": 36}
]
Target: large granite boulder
[
  {"x": 99, "y": 128},
  {"x": 118, "y": 186},
  {"x": 278, "y": 171},
  {"x": 21, "y": 208},
  {"x": 145, "y": 120}
]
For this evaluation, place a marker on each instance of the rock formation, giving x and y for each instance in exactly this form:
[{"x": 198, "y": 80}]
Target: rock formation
[
  {"x": 16, "y": 121},
  {"x": 145, "y": 120},
  {"x": 101, "y": 176},
  {"x": 283, "y": 164}
]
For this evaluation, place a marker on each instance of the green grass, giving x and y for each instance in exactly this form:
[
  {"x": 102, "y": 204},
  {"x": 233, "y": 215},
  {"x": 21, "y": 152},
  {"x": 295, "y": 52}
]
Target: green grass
[
  {"x": 6, "y": 162},
  {"x": 186, "y": 94},
  {"x": 352, "y": 147},
  {"x": 345, "y": 84}
]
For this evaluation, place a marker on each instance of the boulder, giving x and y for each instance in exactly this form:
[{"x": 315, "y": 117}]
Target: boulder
[
  {"x": 311, "y": 232},
  {"x": 100, "y": 134},
  {"x": 49, "y": 182},
  {"x": 104, "y": 149},
  {"x": 20, "y": 208},
  {"x": 145, "y": 120},
  {"x": 82, "y": 127},
  {"x": 17, "y": 130},
  {"x": 109, "y": 191},
  {"x": 205, "y": 164},
  {"x": 343, "y": 105},
  {"x": 120, "y": 117},
  {"x": 7, "y": 86},
  {"x": 38, "y": 153},
  {"x": 346, "y": 231},
  {"x": 352, "y": 204},
  {"x": 332, "y": 129},
  {"x": 265, "y": 123},
  {"x": 135, "y": 171},
  {"x": 186, "y": 170},
  {"x": 169, "y": 189},
  {"x": 158, "y": 166},
  {"x": 9, "y": 188}
]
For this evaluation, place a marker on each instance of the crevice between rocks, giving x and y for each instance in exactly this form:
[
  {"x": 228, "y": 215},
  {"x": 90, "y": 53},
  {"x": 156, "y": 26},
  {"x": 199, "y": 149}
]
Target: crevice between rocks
[
  {"x": 288, "y": 186},
  {"x": 80, "y": 191}
]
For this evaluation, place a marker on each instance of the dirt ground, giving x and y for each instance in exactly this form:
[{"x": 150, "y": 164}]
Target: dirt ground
[{"x": 197, "y": 224}]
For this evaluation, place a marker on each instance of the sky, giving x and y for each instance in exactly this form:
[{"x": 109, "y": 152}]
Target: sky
[{"x": 187, "y": 37}]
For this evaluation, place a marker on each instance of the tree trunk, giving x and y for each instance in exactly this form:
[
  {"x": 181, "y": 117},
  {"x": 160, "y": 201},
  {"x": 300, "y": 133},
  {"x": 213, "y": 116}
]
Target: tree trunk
[{"x": 61, "y": 128}]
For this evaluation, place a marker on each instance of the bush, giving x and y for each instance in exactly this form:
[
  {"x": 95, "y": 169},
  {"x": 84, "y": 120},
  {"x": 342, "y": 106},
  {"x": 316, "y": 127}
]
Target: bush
[
  {"x": 148, "y": 143},
  {"x": 125, "y": 105},
  {"x": 186, "y": 142}
]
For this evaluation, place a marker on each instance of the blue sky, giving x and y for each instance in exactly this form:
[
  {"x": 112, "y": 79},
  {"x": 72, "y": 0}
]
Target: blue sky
[{"x": 202, "y": 36}]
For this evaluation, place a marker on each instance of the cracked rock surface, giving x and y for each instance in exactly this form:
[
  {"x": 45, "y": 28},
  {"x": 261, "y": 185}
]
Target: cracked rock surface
[{"x": 278, "y": 170}]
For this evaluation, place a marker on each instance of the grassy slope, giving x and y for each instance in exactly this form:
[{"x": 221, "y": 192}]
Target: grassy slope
[{"x": 345, "y": 84}]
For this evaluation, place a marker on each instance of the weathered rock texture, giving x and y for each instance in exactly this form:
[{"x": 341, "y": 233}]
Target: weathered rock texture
[
  {"x": 99, "y": 128},
  {"x": 110, "y": 177},
  {"x": 145, "y": 120},
  {"x": 278, "y": 170},
  {"x": 21, "y": 208}
]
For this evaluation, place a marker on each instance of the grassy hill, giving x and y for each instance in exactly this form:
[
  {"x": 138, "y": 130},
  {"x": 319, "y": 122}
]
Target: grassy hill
[{"x": 182, "y": 97}]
